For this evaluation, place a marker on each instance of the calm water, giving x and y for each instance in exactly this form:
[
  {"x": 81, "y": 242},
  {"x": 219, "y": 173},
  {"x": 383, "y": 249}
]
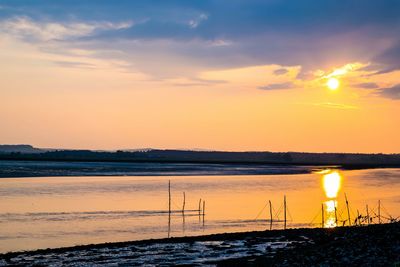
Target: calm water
[{"x": 65, "y": 211}]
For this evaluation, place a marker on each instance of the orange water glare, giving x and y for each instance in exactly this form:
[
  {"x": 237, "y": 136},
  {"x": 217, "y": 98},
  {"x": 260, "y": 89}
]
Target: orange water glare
[
  {"x": 332, "y": 182},
  {"x": 330, "y": 207}
]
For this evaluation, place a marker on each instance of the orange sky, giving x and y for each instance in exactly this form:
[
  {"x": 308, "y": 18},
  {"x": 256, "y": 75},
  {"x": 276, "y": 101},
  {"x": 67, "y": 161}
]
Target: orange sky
[{"x": 106, "y": 108}]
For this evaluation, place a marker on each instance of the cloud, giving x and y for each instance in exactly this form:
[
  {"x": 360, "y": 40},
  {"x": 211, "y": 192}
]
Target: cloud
[
  {"x": 281, "y": 71},
  {"x": 193, "y": 82},
  {"x": 25, "y": 28},
  {"x": 335, "y": 105},
  {"x": 194, "y": 34},
  {"x": 389, "y": 59},
  {"x": 194, "y": 23},
  {"x": 391, "y": 92},
  {"x": 73, "y": 64},
  {"x": 368, "y": 85},
  {"x": 278, "y": 86},
  {"x": 220, "y": 42}
]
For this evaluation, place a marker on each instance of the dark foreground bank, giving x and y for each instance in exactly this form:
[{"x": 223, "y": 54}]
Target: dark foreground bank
[{"x": 374, "y": 245}]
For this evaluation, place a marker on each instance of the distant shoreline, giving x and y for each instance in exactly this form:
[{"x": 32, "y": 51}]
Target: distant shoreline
[
  {"x": 71, "y": 168},
  {"x": 345, "y": 160},
  {"x": 35, "y": 162}
]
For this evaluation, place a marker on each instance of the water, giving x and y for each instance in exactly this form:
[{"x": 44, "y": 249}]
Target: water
[{"x": 65, "y": 211}]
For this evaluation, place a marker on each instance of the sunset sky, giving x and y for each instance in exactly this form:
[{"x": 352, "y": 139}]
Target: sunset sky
[{"x": 222, "y": 75}]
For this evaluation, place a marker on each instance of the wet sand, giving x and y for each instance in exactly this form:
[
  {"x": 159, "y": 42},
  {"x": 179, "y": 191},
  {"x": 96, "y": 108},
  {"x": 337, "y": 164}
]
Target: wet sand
[{"x": 374, "y": 245}]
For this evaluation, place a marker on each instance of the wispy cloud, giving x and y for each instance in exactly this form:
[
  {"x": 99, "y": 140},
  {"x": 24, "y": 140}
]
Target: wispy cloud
[
  {"x": 390, "y": 92},
  {"x": 74, "y": 64},
  {"x": 194, "y": 23},
  {"x": 277, "y": 86},
  {"x": 194, "y": 82},
  {"x": 368, "y": 85},
  {"x": 335, "y": 105},
  {"x": 281, "y": 71},
  {"x": 220, "y": 42},
  {"x": 25, "y": 28}
]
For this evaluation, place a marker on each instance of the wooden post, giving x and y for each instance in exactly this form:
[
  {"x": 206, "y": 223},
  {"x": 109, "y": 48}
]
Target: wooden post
[
  {"x": 204, "y": 207},
  {"x": 322, "y": 212},
  {"x": 270, "y": 215},
  {"x": 348, "y": 210},
  {"x": 184, "y": 202},
  {"x": 379, "y": 211},
  {"x": 200, "y": 206},
  {"x": 169, "y": 208},
  {"x": 200, "y": 210},
  {"x": 335, "y": 215},
  {"x": 367, "y": 215},
  {"x": 169, "y": 196},
  {"x": 284, "y": 206}
]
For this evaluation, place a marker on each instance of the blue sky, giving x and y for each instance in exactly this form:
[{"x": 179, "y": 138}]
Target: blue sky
[{"x": 220, "y": 34}]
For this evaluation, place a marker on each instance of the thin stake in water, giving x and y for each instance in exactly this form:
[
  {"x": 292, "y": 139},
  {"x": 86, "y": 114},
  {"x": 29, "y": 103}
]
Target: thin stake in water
[
  {"x": 204, "y": 210},
  {"x": 284, "y": 205},
  {"x": 184, "y": 202},
  {"x": 169, "y": 208},
  {"x": 270, "y": 215},
  {"x": 379, "y": 211},
  {"x": 335, "y": 215},
  {"x": 348, "y": 210}
]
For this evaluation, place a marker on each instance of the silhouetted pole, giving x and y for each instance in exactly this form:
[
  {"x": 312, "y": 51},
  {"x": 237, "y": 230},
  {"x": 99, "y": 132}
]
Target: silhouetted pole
[
  {"x": 200, "y": 210},
  {"x": 358, "y": 218},
  {"x": 184, "y": 202},
  {"x": 367, "y": 214},
  {"x": 284, "y": 207},
  {"x": 322, "y": 212},
  {"x": 335, "y": 215},
  {"x": 270, "y": 215},
  {"x": 200, "y": 206},
  {"x": 379, "y": 211},
  {"x": 204, "y": 210},
  {"x": 169, "y": 196},
  {"x": 348, "y": 210},
  {"x": 169, "y": 208}
]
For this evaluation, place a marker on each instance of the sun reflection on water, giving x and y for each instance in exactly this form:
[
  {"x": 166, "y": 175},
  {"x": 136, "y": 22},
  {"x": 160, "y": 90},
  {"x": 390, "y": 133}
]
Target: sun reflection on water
[
  {"x": 330, "y": 208},
  {"x": 332, "y": 182}
]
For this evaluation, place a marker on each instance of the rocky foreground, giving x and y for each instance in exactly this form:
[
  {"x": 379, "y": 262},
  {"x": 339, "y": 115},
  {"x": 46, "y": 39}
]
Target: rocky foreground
[{"x": 374, "y": 245}]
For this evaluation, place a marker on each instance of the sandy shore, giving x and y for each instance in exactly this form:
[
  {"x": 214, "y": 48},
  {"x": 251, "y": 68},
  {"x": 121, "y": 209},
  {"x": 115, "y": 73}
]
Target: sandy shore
[{"x": 374, "y": 245}]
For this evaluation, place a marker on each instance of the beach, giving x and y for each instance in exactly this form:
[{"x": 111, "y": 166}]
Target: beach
[{"x": 373, "y": 245}]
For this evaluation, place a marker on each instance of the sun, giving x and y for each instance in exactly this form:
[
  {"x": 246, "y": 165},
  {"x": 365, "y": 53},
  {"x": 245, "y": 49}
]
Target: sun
[{"x": 333, "y": 83}]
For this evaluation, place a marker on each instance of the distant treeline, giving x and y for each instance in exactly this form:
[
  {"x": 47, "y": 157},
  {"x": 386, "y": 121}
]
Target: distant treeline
[{"x": 183, "y": 156}]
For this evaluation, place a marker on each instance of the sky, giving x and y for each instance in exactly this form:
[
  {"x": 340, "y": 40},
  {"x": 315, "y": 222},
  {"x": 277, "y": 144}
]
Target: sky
[{"x": 239, "y": 75}]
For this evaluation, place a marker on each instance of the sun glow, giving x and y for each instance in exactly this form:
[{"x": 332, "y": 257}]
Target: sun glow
[
  {"x": 332, "y": 182},
  {"x": 333, "y": 83}
]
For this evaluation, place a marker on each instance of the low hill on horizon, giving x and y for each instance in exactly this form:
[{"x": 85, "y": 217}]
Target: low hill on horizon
[
  {"x": 20, "y": 149},
  {"x": 27, "y": 152}
]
